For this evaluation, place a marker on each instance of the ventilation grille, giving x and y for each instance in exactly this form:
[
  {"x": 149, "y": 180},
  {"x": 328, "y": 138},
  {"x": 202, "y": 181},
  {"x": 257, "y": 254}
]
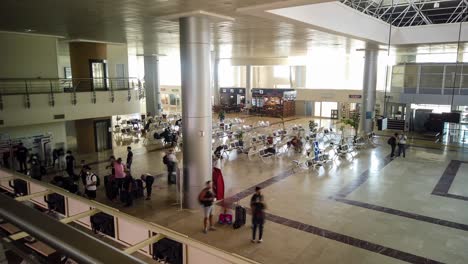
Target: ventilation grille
[{"x": 59, "y": 116}]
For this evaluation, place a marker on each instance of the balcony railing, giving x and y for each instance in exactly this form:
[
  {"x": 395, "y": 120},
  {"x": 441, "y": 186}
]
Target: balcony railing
[{"x": 31, "y": 86}]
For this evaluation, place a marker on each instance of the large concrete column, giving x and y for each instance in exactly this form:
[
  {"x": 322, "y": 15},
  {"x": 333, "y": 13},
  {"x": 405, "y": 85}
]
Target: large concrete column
[
  {"x": 196, "y": 106},
  {"x": 152, "y": 89},
  {"x": 248, "y": 85},
  {"x": 369, "y": 90},
  {"x": 214, "y": 65}
]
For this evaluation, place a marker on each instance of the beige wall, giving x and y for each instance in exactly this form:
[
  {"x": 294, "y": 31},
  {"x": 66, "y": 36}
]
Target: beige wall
[
  {"x": 57, "y": 129},
  {"x": 28, "y": 56},
  {"x": 15, "y": 113},
  {"x": 116, "y": 54}
]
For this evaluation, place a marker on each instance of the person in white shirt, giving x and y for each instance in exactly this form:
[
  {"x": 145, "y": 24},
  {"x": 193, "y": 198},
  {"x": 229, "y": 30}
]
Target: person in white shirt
[
  {"x": 402, "y": 145},
  {"x": 91, "y": 183}
]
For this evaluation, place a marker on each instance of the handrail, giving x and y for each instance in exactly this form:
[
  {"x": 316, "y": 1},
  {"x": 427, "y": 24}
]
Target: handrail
[
  {"x": 76, "y": 244},
  {"x": 184, "y": 239}
]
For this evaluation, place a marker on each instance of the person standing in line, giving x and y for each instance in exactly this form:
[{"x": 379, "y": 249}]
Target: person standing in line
[
  {"x": 257, "y": 205},
  {"x": 392, "y": 141},
  {"x": 127, "y": 188},
  {"x": 129, "y": 157},
  {"x": 207, "y": 198},
  {"x": 148, "y": 179},
  {"x": 22, "y": 156},
  {"x": 111, "y": 166},
  {"x": 91, "y": 183},
  {"x": 119, "y": 173},
  {"x": 70, "y": 165},
  {"x": 402, "y": 145}
]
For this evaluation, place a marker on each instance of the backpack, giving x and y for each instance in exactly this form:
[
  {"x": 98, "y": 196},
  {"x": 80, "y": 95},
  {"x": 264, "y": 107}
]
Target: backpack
[
  {"x": 165, "y": 159},
  {"x": 98, "y": 181},
  {"x": 391, "y": 141}
]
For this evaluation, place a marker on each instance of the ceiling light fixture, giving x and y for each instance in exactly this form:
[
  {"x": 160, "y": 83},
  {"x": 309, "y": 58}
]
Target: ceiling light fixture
[
  {"x": 436, "y": 5},
  {"x": 28, "y": 30}
]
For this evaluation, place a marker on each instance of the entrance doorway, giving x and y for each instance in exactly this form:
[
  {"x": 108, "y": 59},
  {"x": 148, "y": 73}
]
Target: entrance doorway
[
  {"x": 324, "y": 109},
  {"x": 102, "y": 135}
]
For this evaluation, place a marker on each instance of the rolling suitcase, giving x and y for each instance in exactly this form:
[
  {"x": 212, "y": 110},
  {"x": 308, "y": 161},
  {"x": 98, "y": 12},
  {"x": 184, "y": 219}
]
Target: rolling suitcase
[
  {"x": 138, "y": 190},
  {"x": 241, "y": 215},
  {"x": 20, "y": 187},
  {"x": 168, "y": 251},
  {"x": 103, "y": 223},
  {"x": 111, "y": 188}
]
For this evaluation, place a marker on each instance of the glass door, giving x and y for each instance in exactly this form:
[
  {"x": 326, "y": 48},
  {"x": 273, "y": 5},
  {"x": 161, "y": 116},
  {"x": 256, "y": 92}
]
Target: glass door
[
  {"x": 98, "y": 74},
  {"x": 102, "y": 135}
]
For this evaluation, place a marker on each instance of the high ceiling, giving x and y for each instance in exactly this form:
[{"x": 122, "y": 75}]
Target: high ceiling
[
  {"x": 136, "y": 23},
  {"x": 404, "y": 13}
]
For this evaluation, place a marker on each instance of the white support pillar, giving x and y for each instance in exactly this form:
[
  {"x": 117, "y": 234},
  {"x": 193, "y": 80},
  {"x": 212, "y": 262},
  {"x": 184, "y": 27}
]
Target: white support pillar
[
  {"x": 215, "y": 66},
  {"x": 152, "y": 89},
  {"x": 248, "y": 85},
  {"x": 369, "y": 91},
  {"x": 196, "y": 106}
]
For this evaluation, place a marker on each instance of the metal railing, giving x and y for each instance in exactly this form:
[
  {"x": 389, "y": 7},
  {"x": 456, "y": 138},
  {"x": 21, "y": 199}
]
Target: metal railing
[
  {"x": 68, "y": 240},
  {"x": 156, "y": 231},
  {"x": 31, "y": 86}
]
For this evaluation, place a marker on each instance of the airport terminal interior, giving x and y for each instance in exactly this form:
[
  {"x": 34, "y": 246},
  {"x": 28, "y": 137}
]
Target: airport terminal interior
[{"x": 234, "y": 131}]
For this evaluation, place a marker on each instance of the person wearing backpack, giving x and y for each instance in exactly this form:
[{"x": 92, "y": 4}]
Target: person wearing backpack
[
  {"x": 392, "y": 141},
  {"x": 207, "y": 198},
  {"x": 257, "y": 206},
  {"x": 91, "y": 183}
]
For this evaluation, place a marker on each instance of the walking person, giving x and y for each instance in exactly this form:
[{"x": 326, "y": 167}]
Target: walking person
[
  {"x": 148, "y": 179},
  {"x": 22, "y": 156},
  {"x": 257, "y": 205},
  {"x": 207, "y": 198},
  {"x": 170, "y": 160},
  {"x": 129, "y": 157},
  {"x": 402, "y": 145},
  {"x": 35, "y": 172},
  {"x": 91, "y": 183},
  {"x": 392, "y": 141}
]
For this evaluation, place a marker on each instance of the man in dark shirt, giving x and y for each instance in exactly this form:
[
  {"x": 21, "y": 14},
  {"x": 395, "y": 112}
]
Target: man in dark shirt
[
  {"x": 129, "y": 157},
  {"x": 70, "y": 165},
  {"x": 392, "y": 141},
  {"x": 148, "y": 180},
  {"x": 127, "y": 189},
  {"x": 258, "y": 206},
  {"x": 22, "y": 156},
  {"x": 207, "y": 198}
]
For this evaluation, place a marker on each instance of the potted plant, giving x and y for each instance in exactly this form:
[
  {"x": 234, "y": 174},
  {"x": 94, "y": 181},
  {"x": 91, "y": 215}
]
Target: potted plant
[
  {"x": 353, "y": 122},
  {"x": 240, "y": 138},
  {"x": 221, "y": 116}
]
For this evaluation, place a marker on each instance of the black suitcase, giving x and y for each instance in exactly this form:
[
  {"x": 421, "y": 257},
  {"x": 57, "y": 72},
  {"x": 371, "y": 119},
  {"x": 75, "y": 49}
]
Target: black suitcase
[
  {"x": 103, "y": 223},
  {"x": 55, "y": 202},
  {"x": 168, "y": 251},
  {"x": 111, "y": 188},
  {"x": 20, "y": 187},
  {"x": 241, "y": 215},
  {"x": 138, "y": 190}
]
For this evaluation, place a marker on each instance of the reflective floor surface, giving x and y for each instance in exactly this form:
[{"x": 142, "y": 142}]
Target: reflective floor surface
[{"x": 362, "y": 209}]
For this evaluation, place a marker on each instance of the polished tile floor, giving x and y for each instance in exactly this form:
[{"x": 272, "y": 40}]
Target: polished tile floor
[{"x": 366, "y": 209}]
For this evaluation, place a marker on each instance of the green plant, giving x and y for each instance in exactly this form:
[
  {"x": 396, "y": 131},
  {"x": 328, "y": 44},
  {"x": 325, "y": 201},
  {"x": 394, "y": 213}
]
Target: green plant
[
  {"x": 352, "y": 122},
  {"x": 240, "y": 135},
  {"x": 221, "y": 115}
]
